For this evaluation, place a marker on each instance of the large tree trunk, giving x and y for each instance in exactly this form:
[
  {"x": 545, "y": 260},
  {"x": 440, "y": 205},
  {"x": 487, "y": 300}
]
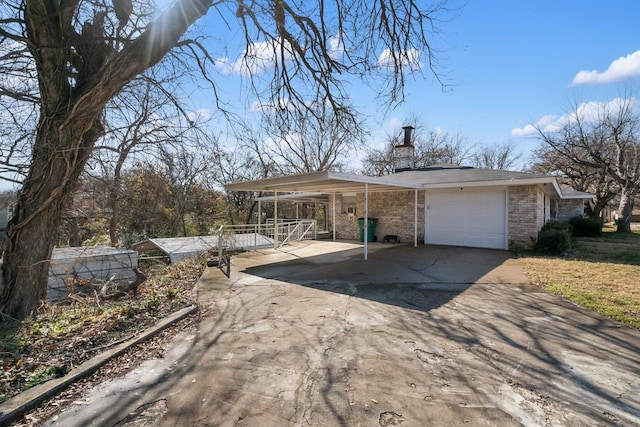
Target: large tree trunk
[
  {"x": 594, "y": 209},
  {"x": 69, "y": 126},
  {"x": 625, "y": 210},
  {"x": 33, "y": 230}
]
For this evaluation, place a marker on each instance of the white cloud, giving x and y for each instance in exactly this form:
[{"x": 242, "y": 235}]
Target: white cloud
[
  {"x": 393, "y": 124},
  {"x": 587, "y": 111},
  {"x": 546, "y": 123},
  {"x": 621, "y": 69},
  {"x": 409, "y": 58},
  {"x": 527, "y": 130},
  {"x": 202, "y": 114},
  {"x": 257, "y": 58},
  {"x": 336, "y": 46}
]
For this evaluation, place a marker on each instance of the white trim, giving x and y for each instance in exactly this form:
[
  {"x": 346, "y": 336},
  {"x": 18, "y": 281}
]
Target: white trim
[
  {"x": 305, "y": 195},
  {"x": 332, "y": 181},
  {"x": 495, "y": 183},
  {"x": 507, "y": 204},
  {"x": 327, "y": 181}
]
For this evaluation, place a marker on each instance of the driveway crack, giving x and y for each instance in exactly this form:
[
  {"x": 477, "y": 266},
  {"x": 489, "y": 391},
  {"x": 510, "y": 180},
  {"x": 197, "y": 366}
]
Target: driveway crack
[{"x": 317, "y": 366}]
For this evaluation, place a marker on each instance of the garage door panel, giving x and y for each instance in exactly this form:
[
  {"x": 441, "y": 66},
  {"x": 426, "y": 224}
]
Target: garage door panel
[{"x": 467, "y": 218}]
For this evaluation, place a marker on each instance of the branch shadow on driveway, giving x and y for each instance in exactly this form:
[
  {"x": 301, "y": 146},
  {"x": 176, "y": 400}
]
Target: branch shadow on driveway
[
  {"x": 549, "y": 352},
  {"x": 316, "y": 336}
]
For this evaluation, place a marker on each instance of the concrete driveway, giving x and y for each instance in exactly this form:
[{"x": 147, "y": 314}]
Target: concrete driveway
[{"x": 429, "y": 336}]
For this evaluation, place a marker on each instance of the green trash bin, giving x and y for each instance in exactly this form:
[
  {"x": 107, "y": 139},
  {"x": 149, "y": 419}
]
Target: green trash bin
[{"x": 371, "y": 229}]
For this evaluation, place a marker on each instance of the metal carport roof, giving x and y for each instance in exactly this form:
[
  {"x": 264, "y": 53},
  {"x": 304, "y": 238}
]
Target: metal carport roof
[
  {"x": 321, "y": 182},
  {"x": 330, "y": 183}
]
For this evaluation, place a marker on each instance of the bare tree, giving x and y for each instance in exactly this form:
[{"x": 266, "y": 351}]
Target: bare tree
[
  {"x": 603, "y": 138},
  {"x": 85, "y": 53},
  {"x": 314, "y": 141},
  {"x": 18, "y": 109},
  {"x": 243, "y": 163},
  {"x": 168, "y": 197},
  {"x": 185, "y": 169},
  {"x": 500, "y": 156},
  {"x": 578, "y": 176},
  {"x": 430, "y": 147},
  {"x": 142, "y": 120}
]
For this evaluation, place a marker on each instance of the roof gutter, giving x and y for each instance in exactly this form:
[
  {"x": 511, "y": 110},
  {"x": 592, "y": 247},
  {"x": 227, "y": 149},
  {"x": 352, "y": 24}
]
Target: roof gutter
[{"x": 496, "y": 183}]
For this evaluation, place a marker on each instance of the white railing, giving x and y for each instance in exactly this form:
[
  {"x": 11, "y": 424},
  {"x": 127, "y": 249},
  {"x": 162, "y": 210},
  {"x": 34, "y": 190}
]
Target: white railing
[
  {"x": 290, "y": 230},
  {"x": 256, "y": 236}
]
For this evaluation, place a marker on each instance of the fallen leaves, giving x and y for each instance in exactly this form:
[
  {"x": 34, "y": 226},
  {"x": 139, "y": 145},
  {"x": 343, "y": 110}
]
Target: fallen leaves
[{"x": 69, "y": 334}]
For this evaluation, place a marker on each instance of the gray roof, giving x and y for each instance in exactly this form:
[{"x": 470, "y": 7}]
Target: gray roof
[
  {"x": 433, "y": 177},
  {"x": 321, "y": 182},
  {"x": 452, "y": 174}
]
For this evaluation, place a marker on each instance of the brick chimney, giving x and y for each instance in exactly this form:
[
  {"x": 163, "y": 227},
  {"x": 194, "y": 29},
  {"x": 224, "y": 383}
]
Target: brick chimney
[{"x": 403, "y": 154}]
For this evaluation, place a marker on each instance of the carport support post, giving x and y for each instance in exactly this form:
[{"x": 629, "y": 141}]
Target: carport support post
[
  {"x": 259, "y": 214},
  {"x": 415, "y": 218},
  {"x": 366, "y": 221},
  {"x": 275, "y": 219},
  {"x": 333, "y": 222}
]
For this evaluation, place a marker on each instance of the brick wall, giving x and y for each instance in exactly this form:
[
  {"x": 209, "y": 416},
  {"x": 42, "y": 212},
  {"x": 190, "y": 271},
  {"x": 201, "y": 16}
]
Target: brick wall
[
  {"x": 345, "y": 227},
  {"x": 526, "y": 215},
  {"x": 394, "y": 211},
  {"x": 569, "y": 208}
]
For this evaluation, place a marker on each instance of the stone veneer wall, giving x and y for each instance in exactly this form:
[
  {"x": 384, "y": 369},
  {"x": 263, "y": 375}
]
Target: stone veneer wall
[
  {"x": 526, "y": 215},
  {"x": 394, "y": 211}
]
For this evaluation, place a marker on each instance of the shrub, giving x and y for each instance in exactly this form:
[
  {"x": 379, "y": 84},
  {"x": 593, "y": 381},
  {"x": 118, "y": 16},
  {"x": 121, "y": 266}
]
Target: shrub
[
  {"x": 562, "y": 226},
  {"x": 586, "y": 227},
  {"x": 553, "y": 241}
]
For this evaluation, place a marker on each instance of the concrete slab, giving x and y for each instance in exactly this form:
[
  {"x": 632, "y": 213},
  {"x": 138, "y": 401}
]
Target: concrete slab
[{"x": 412, "y": 337}]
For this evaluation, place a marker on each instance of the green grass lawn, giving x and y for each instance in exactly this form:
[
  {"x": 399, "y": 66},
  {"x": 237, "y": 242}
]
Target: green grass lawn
[{"x": 601, "y": 273}]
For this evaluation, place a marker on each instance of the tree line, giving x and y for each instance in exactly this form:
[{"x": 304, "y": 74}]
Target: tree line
[{"x": 92, "y": 97}]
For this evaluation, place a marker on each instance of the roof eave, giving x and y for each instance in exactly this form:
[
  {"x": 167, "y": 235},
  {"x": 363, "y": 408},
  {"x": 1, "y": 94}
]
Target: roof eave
[
  {"x": 322, "y": 182},
  {"x": 495, "y": 183}
]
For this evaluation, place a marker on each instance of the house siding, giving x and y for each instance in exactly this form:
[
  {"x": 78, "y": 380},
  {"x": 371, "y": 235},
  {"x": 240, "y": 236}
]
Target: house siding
[{"x": 395, "y": 214}]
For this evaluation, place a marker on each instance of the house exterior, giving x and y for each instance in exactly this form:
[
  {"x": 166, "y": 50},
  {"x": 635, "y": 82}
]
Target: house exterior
[
  {"x": 441, "y": 204},
  {"x": 463, "y": 206}
]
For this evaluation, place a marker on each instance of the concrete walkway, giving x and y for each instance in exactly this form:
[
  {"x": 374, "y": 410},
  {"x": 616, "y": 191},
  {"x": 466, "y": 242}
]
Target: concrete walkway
[{"x": 315, "y": 336}]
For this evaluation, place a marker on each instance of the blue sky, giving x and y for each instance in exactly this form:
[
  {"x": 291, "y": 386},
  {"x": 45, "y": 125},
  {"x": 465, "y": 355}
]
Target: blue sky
[
  {"x": 507, "y": 64},
  {"x": 511, "y": 63}
]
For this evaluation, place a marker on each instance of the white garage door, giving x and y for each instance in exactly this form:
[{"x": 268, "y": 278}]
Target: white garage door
[{"x": 467, "y": 218}]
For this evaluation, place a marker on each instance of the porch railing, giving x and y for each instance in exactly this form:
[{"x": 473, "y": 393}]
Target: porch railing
[{"x": 259, "y": 236}]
